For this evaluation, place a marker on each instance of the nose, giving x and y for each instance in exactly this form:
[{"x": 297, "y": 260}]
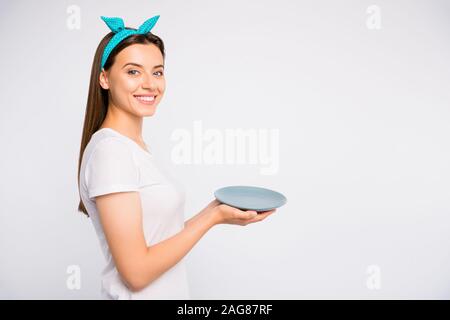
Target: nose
[{"x": 148, "y": 82}]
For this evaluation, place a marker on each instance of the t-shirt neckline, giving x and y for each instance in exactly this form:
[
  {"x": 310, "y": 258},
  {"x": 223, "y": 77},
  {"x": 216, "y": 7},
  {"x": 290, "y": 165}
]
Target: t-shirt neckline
[{"x": 129, "y": 139}]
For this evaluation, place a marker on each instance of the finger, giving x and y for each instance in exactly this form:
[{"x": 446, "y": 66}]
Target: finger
[
  {"x": 237, "y": 213},
  {"x": 261, "y": 216},
  {"x": 249, "y": 214},
  {"x": 269, "y": 211}
]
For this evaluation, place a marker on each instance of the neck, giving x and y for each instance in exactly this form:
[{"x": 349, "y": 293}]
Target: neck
[{"x": 123, "y": 122}]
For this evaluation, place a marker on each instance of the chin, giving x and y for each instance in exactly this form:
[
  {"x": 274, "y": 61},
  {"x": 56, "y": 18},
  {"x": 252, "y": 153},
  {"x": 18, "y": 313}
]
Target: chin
[
  {"x": 145, "y": 111},
  {"x": 149, "y": 114}
]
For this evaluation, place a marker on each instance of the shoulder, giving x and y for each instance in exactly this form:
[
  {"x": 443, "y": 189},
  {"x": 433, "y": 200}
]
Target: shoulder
[
  {"x": 110, "y": 148},
  {"x": 112, "y": 143}
]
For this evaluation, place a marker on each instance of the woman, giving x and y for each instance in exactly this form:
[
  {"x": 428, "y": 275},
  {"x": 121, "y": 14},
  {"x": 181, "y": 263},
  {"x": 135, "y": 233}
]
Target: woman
[{"x": 136, "y": 210}]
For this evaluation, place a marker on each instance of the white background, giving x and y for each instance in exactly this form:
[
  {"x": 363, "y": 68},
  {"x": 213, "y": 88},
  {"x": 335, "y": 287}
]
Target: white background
[{"x": 364, "y": 147}]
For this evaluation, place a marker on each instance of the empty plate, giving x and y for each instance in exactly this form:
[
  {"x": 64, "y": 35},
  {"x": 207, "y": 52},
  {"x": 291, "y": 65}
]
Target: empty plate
[{"x": 250, "y": 198}]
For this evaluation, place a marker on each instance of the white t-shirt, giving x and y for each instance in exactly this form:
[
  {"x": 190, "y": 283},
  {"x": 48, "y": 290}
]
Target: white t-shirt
[{"x": 112, "y": 162}]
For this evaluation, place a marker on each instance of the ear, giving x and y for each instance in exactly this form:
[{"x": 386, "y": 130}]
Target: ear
[{"x": 103, "y": 80}]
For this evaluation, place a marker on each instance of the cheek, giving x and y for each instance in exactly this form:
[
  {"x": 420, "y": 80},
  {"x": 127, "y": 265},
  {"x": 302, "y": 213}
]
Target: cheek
[
  {"x": 124, "y": 90},
  {"x": 162, "y": 86},
  {"x": 120, "y": 89},
  {"x": 130, "y": 85}
]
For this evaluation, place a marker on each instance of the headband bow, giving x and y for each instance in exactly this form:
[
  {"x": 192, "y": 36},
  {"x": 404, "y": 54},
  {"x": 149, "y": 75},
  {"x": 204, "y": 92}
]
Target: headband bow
[{"x": 117, "y": 26}]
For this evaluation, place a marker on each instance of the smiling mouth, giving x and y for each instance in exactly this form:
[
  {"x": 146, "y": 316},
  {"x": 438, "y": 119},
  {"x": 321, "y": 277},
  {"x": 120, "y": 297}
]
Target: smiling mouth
[{"x": 146, "y": 99}]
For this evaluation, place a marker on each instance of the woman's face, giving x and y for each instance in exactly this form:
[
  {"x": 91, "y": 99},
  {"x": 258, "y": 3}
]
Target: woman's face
[{"x": 136, "y": 75}]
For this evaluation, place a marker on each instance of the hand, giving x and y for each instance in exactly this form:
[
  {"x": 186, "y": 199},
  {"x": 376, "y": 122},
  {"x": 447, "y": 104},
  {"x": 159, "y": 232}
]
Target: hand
[{"x": 225, "y": 214}]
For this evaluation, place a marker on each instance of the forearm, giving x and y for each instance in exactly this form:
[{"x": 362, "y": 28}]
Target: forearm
[
  {"x": 164, "y": 255},
  {"x": 194, "y": 218}
]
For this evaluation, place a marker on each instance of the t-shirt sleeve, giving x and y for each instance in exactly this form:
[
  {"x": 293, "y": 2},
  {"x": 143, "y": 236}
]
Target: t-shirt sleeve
[{"x": 111, "y": 168}]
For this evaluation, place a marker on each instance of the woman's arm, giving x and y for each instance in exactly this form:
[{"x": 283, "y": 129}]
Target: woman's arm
[
  {"x": 196, "y": 217},
  {"x": 138, "y": 265},
  {"x": 121, "y": 218}
]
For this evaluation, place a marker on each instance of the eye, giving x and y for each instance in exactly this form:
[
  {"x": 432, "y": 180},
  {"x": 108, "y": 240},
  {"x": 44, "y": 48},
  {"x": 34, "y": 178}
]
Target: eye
[
  {"x": 161, "y": 72},
  {"x": 130, "y": 72}
]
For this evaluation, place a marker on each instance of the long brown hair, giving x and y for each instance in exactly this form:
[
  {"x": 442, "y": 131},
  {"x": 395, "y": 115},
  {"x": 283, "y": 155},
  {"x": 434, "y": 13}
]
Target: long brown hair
[{"x": 97, "y": 102}]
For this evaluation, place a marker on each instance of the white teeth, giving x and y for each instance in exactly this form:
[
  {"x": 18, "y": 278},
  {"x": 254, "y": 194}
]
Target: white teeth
[{"x": 145, "y": 98}]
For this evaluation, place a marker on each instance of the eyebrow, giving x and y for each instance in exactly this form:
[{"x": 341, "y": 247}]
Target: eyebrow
[{"x": 138, "y": 65}]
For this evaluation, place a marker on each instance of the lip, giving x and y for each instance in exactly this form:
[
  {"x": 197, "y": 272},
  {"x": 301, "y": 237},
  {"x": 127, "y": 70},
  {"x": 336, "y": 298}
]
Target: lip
[{"x": 145, "y": 95}]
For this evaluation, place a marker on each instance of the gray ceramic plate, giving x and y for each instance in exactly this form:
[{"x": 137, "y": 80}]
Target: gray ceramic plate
[{"x": 250, "y": 198}]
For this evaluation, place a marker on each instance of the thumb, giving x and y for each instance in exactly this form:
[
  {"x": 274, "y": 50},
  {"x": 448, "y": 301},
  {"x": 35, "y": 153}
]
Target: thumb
[{"x": 249, "y": 214}]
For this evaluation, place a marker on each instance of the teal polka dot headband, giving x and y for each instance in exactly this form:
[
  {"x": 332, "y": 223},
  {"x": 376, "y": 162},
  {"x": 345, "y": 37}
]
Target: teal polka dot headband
[{"x": 117, "y": 26}]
